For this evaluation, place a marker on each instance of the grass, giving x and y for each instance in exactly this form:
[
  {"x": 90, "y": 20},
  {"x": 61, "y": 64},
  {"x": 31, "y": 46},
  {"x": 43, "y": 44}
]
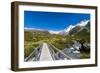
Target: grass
[
  {"x": 29, "y": 48},
  {"x": 84, "y": 55},
  {"x": 61, "y": 42}
]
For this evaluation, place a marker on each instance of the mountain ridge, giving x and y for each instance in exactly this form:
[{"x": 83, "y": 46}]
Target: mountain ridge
[{"x": 71, "y": 29}]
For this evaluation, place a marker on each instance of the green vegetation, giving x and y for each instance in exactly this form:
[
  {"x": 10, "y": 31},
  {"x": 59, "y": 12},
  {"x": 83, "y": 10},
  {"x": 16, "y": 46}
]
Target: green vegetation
[
  {"x": 84, "y": 55},
  {"x": 33, "y": 38},
  {"x": 29, "y": 47},
  {"x": 62, "y": 42}
]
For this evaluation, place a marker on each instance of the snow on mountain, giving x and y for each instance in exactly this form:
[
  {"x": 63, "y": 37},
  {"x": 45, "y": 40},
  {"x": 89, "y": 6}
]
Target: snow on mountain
[
  {"x": 54, "y": 32},
  {"x": 26, "y": 28},
  {"x": 82, "y": 23},
  {"x": 64, "y": 31},
  {"x": 70, "y": 27}
]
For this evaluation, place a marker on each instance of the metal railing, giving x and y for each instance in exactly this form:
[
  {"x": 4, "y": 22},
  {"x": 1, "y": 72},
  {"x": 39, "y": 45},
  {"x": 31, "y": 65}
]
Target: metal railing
[
  {"x": 60, "y": 53},
  {"x": 34, "y": 55}
]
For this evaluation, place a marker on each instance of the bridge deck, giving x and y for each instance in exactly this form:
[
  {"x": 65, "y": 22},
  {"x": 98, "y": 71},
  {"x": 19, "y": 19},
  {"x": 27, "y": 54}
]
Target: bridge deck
[{"x": 45, "y": 53}]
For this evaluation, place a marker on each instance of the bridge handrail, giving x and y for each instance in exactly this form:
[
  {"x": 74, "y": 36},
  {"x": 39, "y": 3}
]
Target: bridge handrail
[
  {"x": 61, "y": 52},
  {"x": 32, "y": 54},
  {"x": 38, "y": 56},
  {"x": 52, "y": 52}
]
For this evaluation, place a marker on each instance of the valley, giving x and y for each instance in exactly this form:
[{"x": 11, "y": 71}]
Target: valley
[{"x": 73, "y": 42}]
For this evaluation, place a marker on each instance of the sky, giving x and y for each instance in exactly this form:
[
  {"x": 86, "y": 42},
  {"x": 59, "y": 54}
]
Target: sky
[{"x": 52, "y": 20}]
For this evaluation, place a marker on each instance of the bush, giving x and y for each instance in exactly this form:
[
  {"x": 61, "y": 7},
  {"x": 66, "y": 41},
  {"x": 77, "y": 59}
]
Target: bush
[{"x": 29, "y": 48}]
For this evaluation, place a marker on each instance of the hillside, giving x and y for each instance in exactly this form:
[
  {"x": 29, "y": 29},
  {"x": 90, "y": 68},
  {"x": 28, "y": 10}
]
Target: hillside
[{"x": 81, "y": 34}]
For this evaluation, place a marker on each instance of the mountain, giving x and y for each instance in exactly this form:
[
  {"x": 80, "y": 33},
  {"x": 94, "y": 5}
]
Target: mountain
[
  {"x": 61, "y": 32},
  {"x": 79, "y": 27},
  {"x": 35, "y": 35},
  {"x": 71, "y": 29},
  {"x": 84, "y": 33},
  {"x": 33, "y": 29},
  {"x": 54, "y": 32},
  {"x": 66, "y": 30},
  {"x": 74, "y": 28}
]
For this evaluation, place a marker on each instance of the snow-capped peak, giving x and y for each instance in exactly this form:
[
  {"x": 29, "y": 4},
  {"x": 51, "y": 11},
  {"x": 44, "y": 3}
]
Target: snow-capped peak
[
  {"x": 64, "y": 31},
  {"x": 69, "y": 28},
  {"x": 82, "y": 23}
]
